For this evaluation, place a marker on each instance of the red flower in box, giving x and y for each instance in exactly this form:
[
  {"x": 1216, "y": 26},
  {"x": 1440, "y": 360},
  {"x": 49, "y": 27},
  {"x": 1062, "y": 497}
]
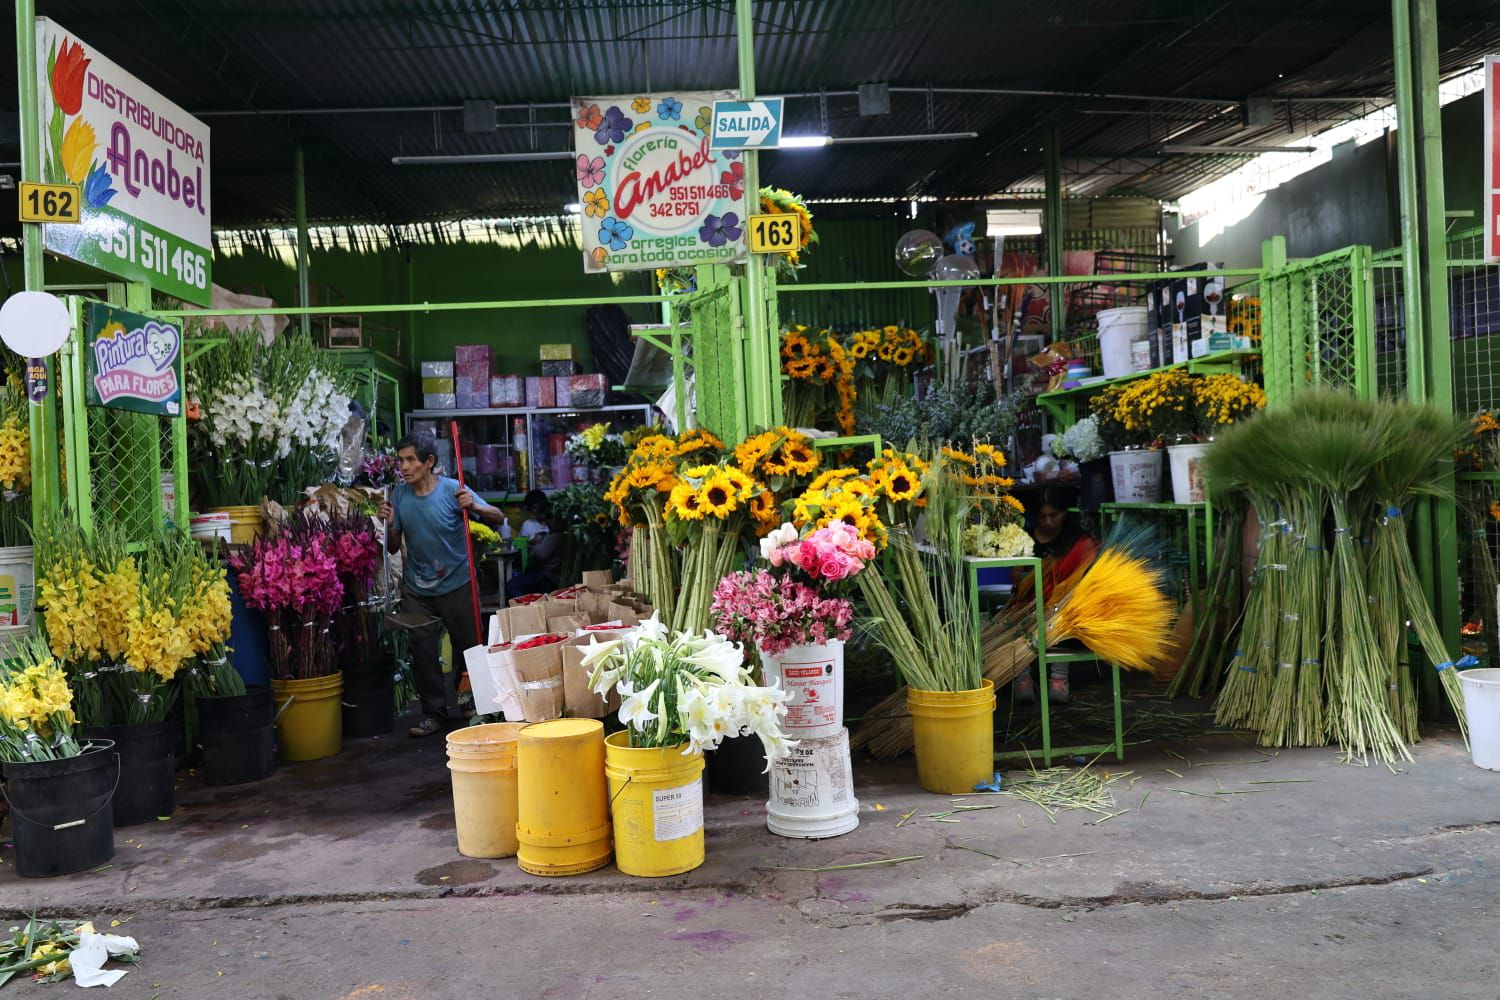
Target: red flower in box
[
  {"x": 528, "y": 598},
  {"x": 602, "y": 628},
  {"x": 540, "y": 640}
]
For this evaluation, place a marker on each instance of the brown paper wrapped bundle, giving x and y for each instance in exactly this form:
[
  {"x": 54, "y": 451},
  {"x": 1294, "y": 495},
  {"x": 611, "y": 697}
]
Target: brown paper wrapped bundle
[{"x": 539, "y": 669}]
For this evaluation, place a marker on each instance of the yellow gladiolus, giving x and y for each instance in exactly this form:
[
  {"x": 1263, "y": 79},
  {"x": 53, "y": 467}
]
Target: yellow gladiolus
[{"x": 78, "y": 147}]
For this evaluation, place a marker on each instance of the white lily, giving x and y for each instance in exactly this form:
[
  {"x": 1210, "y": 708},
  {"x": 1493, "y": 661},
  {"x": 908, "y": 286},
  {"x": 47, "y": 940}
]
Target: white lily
[
  {"x": 635, "y": 710},
  {"x": 724, "y": 659},
  {"x": 597, "y": 652},
  {"x": 651, "y": 628}
]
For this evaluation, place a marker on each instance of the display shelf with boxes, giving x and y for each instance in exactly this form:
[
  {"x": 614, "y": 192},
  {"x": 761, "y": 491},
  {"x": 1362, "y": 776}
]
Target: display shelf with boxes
[{"x": 508, "y": 452}]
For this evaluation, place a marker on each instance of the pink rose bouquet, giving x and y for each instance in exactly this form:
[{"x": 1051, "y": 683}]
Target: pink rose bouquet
[
  {"x": 830, "y": 554},
  {"x": 775, "y": 613}
]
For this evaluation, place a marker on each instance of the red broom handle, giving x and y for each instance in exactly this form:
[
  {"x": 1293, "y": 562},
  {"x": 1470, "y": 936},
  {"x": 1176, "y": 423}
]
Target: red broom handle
[{"x": 458, "y": 461}]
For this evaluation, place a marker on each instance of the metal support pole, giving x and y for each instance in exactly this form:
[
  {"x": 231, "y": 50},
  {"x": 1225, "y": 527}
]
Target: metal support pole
[
  {"x": 299, "y": 170},
  {"x": 761, "y": 379},
  {"x": 1424, "y": 266},
  {"x": 1053, "y": 224},
  {"x": 46, "y": 483}
]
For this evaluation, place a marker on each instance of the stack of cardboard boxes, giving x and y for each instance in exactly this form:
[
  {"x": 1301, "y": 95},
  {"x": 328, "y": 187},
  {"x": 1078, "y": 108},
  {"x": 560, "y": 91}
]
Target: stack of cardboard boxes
[{"x": 469, "y": 382}]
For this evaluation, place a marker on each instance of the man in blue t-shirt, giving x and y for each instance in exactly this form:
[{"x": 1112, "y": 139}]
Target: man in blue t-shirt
[{"x": 425, "y": 512}]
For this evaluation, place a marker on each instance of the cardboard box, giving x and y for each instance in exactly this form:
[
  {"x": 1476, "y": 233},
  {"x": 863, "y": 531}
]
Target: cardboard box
[
  {"x": 437, "y": 369},
  {"x": 439, "y": 401},
  {"x": 556, "y": 352},
  {"x": 522, "y": 619},
  {"x": 435, "y": 384},
  {"x": 507, "y": 390},
  {"x": 540, "y": 392},
  {"x": 424, "y": 427},
  {"x": 472, "y": 353},
  {"x": 563, "y": 391},
  {"x": 539, "y": 669},
  {"x": 560, "y": 367},
  {"x": 588, "y": 390}
]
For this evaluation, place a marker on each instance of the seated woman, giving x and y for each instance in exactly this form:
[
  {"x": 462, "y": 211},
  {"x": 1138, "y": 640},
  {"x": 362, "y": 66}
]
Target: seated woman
[
  {"x": 1064, "y": 548},
  {"x": 545, "y": 558}
]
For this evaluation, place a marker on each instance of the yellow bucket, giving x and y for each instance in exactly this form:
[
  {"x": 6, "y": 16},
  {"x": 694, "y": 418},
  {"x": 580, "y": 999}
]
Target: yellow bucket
[
  {"x": 955, "y": 736},
  {"x": 310, "y": 716},
  {"x": 246, "y": 524},
  {"x": 483, "y": 762},
  {"x": 656, "y": 800},
  {"x": 562, "y": 808}
]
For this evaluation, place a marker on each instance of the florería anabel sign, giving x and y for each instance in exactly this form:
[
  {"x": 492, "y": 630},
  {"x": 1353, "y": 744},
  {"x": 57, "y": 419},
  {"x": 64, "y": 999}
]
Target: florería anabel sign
[
  {"x": 134, "y": 362},
  {"x": 142, "y": 164},
  {"x": 651, "y": 191}
]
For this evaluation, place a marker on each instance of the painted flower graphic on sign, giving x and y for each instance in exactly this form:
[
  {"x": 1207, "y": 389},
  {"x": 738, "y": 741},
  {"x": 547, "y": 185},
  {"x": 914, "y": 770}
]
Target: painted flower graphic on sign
[
  {"x": 615, "y": 234},
  {"x": 719, "y": 230},
  {"x": 589, "y": 119},
  {"x": 78, "y": 150},
  {"x": 97, "y": 190},
  {"x": 613, "y": 127},
  {"x": 735, "y": 178},
  {"x": 651, "y": 192},
  {"x": 595, "y": 203},
  {"x": 68, "y": 75},
  {"x": 705, "y": 119},
  {"x": 590, "y": 170}
]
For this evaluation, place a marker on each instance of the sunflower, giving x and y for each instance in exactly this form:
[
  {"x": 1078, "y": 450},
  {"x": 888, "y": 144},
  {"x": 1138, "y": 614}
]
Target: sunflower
[
  {"x": 898, "y": 482},
  {"x": 990, "y": 452},
  {"x": 1013, "y": 504},
  {"x": 718, "y": 496},
  {"x": 802, "y": 368},
  {"x": 859, "y": 350},
  {"x": 739, "y": 481},
  {"x": 765, "y": 511},
  {"x": 799, "y": 458},
  {"x": 684, "y": 503},
  {"x": 828, "y": 477},
  {"x": 885, "y": 352},
  {"x": 807, "y": 507},
  {"x": 902, "y": 356},
  {"x": 963, "y": 458},
  {"x": 749, "y": 453}
]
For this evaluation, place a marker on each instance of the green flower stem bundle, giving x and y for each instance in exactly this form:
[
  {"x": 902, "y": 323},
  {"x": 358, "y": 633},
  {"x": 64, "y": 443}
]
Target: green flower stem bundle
[{"x": 1218, "y": 624}]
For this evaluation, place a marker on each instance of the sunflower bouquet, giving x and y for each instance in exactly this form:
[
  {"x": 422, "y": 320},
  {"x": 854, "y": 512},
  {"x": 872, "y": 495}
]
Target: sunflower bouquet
[
  {"x": 706, "y": 513},
  {"x": 819, "y": 384},
  {"x": 15, "y": 467},
  {"x": 782, "y": 460},
  {"x": 1481, "y": 449},
  {"x": 125, "y": 621},
  {"x": 778, "y": 201},
  {"x": 885, "y": 361},
  {"x": 639, "y": 495},
  {"x": 995, "y": 530},
  {"x": 36, "y": 706}
]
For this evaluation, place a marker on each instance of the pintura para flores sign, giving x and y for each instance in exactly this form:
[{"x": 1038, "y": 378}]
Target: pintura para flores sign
[{"x": 652, "y": 192}]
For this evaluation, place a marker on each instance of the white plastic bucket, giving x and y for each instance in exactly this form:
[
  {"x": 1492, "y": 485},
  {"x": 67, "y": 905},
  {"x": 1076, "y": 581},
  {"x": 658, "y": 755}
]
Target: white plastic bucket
[
  {"x": 10, "y": 638},
  {"x": 1136, "y": 475},
  {"x": 1481, "y": 689},
  {"x": 1117, "y": 328},
  {"x": 17, "y": 586},
  {"x": 812, "y": 790},
  {"x": 1187, "y": 472},
  {"x": 815, "y": 677},
  {"x": 207, "y": 527}
]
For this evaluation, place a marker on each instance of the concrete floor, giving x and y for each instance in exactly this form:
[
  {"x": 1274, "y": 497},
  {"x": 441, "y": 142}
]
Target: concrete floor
[{"x": 340, "y": 879}]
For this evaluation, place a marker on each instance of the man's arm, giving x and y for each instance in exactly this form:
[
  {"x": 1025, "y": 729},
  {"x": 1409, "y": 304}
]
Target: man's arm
[
  {"x": 478, "y": 508},
  {"x": 392, "y": 528}
]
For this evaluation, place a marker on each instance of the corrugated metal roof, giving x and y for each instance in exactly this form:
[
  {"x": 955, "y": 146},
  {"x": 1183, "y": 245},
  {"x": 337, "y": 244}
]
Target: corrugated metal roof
[{"x": 1199, "y": 58}]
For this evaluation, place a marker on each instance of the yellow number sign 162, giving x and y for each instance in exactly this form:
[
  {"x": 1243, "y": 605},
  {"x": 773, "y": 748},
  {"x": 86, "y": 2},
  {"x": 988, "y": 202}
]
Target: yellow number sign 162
[
  {"x": 775, "y": 233},
  {"x": 49, "y": 202}
]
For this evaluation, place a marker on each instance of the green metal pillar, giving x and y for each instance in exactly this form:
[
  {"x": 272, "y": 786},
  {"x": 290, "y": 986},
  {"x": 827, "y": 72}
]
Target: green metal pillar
[
  {"x": 762, "y": 385},
  {"x": 1424, "y": 266},
  {"x": 1053, "y": 227},
  {"x": 46, "y": 483},
  {"x": 300, "y": 172}
]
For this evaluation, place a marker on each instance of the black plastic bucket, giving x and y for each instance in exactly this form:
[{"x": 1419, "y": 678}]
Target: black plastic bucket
[
  {"x": 148, "y": 769},
  {"x": 735, "y": 767},
  {"x": 237, "y": 737},
  {"x": 369, "y": 698},
  {"x": 59, "y": 811},
  {"x": 1095, "y": 486}
]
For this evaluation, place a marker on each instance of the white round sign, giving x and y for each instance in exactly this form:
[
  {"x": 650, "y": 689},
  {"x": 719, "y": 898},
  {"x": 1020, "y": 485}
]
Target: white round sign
[{"x": 34, "y": 324}]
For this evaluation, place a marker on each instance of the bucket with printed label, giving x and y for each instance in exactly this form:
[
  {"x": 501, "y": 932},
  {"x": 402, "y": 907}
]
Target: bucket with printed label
[
  {"x": 814, "y": 675},
  {"x": 656, "y": 800},
  {"x": 812, "y": 790},
  {"x": 17, "y": 584}
]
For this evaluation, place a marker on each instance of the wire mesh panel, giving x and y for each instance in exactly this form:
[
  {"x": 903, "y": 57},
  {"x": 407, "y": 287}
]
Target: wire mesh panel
[
  {"x": 128, "y": 452},
  {"x": 1321, "y": 315},
  {"x": 1474, "y": 311},
  {"x": 1388, "y": 298}
]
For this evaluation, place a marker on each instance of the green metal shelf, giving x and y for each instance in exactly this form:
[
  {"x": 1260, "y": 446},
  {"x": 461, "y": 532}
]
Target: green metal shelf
[
  {"x": 1214, "y": 360},
  {"x": 1479, "y": 477}
]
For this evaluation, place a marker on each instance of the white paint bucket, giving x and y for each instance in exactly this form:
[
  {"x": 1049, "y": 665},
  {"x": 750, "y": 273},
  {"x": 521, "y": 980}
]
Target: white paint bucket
[
  {"x": 1117, "y": 328},
  {"x": 812, "y": 790},
  {"x": 17, "y": 586},
  {"x": 815, "y": 677},
  {"x": 1481, "y": 689},
  {"x": 10, "y": 639},
  {"x": 1186, "y": 461},
  {"x": 207, "y": 527},
  {"x": 1136, "y": 475}
]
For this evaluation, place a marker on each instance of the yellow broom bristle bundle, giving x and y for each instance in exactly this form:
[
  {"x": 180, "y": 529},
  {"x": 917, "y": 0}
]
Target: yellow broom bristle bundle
[{"x": 1119, "y": 611}]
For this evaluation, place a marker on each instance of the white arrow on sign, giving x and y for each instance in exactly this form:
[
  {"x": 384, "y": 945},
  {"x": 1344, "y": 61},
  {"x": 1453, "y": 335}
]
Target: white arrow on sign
[{"x": 753, "y": 125}]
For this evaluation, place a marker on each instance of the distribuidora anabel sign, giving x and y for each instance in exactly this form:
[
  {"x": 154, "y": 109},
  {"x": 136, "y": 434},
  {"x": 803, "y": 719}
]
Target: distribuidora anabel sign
[
  {"x": 141, "y": 162},
  {"x": 651, "y": 192}
]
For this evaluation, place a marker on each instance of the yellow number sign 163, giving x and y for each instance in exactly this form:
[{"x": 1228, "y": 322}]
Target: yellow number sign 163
[{"x": 775, "y": 233}]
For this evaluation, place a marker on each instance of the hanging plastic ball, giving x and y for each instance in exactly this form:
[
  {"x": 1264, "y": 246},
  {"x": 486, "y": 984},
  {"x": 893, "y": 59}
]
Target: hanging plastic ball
[
  {"x": 955, "y": 268},
  {"x": 918, "y": 252}
]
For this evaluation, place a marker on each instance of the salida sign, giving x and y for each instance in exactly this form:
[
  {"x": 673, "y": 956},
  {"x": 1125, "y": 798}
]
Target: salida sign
[
  {"x": 652, "y": 192},
  {"x": 141, "y": 162},
  {"x": 134, "y": 362}
]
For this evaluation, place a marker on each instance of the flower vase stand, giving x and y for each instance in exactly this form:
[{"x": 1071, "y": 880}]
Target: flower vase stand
[{"x": 1044, "y": 658}]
